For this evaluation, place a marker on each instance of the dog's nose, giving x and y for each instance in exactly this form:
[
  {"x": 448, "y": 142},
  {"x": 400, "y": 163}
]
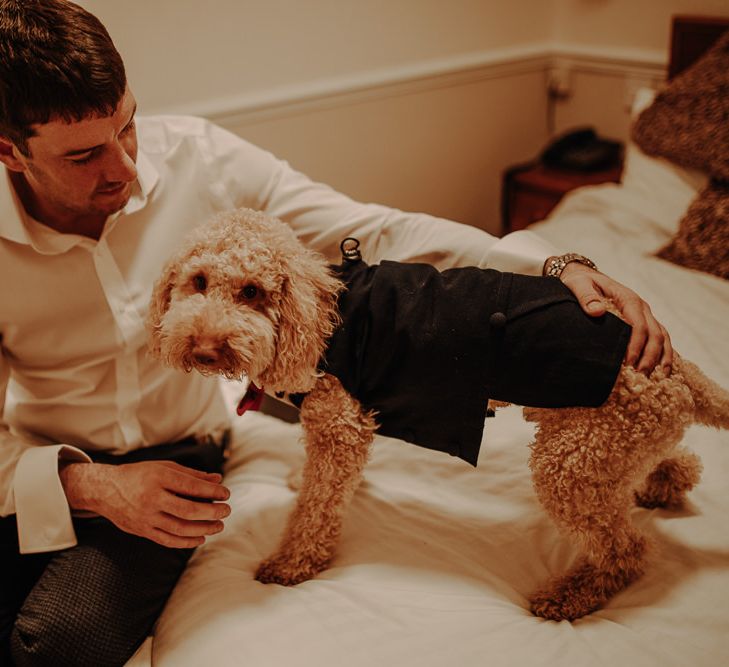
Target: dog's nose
[
  {"x": 206, "y": 359},
  {"x": 205, "y": 354}
]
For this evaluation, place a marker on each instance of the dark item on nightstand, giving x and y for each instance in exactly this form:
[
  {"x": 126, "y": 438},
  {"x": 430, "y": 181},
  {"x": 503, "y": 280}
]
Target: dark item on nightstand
[
  {"x": 579, "y": 157},
  {"x": 582, "y": 150}
]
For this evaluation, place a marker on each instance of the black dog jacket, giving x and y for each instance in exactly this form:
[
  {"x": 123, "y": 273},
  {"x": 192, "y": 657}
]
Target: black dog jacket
[{"x": 426, "y": 349}]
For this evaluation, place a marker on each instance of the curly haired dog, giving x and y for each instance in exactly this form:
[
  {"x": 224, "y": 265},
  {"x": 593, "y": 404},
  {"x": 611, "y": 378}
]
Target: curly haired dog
[{"x": 243, "y": 297}]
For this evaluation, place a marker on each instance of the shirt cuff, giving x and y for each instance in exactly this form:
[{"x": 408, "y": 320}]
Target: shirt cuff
[
  {"x": 520, "y": 252},
  {"x": 41, "y": 507}
]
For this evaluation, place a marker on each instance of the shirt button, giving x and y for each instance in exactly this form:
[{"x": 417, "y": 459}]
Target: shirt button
[{"x": 497, "y": 320}]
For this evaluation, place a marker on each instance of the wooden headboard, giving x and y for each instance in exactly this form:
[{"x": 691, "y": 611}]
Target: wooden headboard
[{"x": 691, "y": 36}]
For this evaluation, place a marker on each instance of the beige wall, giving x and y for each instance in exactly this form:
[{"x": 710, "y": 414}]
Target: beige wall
[
  {"x": 439, "y": 150},
  {"x": 419, "y": 104},
  {"x": 182, "y": 51}
]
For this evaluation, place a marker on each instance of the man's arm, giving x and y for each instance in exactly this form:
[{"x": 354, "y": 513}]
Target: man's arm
[
  {"x": 42, "y": 484},
  {"x": 323, "y": 217},
  {"x": 317, "y": 212},
  {"x": 248, "y": 176},
  {"x": 29, "y": 484}
]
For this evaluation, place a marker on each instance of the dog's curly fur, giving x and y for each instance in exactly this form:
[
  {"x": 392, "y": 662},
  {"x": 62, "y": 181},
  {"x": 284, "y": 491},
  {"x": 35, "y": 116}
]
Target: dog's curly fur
[{"x": 244, "y": 298}]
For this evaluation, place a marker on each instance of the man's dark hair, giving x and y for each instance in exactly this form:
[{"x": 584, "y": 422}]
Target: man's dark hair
[{"x": 57, "y": 61}]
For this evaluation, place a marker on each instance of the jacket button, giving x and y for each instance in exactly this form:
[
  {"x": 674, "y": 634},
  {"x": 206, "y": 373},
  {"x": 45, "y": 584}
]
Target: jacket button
[{"x": 497, "y": 320}]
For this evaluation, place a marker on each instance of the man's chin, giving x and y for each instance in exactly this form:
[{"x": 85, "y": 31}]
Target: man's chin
[{"x": 110, "y": 202}]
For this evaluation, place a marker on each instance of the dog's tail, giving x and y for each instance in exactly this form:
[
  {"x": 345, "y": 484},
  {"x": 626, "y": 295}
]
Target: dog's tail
[{"x": 711, "y": 400}]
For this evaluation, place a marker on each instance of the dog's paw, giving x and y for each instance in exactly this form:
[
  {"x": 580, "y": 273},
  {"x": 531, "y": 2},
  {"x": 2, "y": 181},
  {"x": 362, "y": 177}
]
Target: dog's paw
[
  {"x": 554, "y": 605},
  {"x": 668, "y": 485},
  {"x": 586, "y": 588},
  {"x": 572, "y": 595},
  {"x": 281, "y": 570}
]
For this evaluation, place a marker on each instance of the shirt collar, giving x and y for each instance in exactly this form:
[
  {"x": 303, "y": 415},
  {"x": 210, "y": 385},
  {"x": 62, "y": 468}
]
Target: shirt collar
[
  {"x": 17, "y": 226},
  {"x": 147, "y": 177}
]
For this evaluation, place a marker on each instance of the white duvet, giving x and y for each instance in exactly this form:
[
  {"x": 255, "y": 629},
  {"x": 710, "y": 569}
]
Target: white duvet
[{"x": 437, "y": 558}]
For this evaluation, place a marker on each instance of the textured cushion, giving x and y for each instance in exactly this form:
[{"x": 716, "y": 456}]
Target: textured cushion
[
  {"x": 688, "y": 123},
  {"x": 702, "y": 241}
]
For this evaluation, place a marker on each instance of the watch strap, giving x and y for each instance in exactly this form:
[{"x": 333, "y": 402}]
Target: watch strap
[{"x": 554, "y": 266}]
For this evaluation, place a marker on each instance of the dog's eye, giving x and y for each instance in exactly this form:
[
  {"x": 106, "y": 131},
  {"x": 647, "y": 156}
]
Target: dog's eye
[
  {"x": 249, "y": 293},
  {"x": 200, "y": 282}
]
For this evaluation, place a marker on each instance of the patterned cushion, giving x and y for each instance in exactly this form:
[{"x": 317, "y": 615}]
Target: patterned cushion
[
  {"x": 688, "y": 123},
  {"x": 702, "y": 241}
]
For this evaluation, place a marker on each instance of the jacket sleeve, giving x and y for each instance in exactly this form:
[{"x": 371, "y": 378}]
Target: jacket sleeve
[
  {"x": 323, "y": 217},
  {"x": 30, "y": 487}
]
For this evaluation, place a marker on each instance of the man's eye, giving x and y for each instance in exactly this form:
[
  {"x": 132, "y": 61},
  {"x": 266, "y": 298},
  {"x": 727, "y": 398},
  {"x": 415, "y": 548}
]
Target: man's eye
[
  {"x": 249, "y": 292},
  {"x": 83, "y": 160},
  {"x": 200, "y": 282}
]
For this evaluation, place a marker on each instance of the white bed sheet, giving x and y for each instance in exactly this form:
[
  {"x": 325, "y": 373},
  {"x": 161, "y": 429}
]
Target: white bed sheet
[{"x": 437, "y": 558}]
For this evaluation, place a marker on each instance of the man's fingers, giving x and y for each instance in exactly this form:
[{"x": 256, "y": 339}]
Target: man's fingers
[
  {"x": 667, "y": 357},
  {"x": 201, "y": 474},
  {"x": 164, "y": 502},
  {"x": 172, "y": 531},
  {"x": 657, "y": 347},
  {"x": 182, "y": 528},
  {"x": 582, "y": 284},
  {"x": 193, "y": 486},
  {"x": 192, "y": 510},
  {"x": 593, "y": 305},
  {"x": 649, "y": 343},
  {"x": 590, "y": 299},
  {"x": 645, "y": 347},
  {"x": 174, "y": 541},
  {"x": 638, "y": 338},
  {"x": 591, "y": 302}
]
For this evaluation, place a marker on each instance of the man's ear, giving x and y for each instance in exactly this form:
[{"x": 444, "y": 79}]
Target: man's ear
[{"x": 10, "y": 156}]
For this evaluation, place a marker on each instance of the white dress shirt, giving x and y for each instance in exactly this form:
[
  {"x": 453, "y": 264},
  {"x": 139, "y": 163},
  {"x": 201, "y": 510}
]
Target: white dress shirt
[{"x": 75, "y": 375}]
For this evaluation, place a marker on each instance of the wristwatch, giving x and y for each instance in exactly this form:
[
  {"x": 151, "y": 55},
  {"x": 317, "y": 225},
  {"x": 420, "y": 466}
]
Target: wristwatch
[{"x": 554, "y": 266}]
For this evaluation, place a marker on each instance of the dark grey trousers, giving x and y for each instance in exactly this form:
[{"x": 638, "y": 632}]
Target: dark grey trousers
[{"x": 95, "y": 603}]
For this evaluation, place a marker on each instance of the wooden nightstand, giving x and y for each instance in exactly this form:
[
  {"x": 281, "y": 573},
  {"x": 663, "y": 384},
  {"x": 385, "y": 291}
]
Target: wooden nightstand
[{"x": 532, "y": 190}]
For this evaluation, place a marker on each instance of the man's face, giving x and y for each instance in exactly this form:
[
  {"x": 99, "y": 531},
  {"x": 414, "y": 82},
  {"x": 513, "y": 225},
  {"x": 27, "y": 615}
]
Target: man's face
[{"x": 81, "y": 169}]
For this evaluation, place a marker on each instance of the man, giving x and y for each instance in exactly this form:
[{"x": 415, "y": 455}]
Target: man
[{"x": 109, "y": 463}]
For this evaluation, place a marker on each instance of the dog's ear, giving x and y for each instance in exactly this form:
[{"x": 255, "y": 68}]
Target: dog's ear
[
  {"x": 159, "y": 304},
  {"x": 308, "y": 316}
]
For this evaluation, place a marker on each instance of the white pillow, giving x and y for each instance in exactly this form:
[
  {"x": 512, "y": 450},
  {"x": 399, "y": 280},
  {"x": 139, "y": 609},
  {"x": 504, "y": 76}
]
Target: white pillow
[{"x": 669, "y": 188}]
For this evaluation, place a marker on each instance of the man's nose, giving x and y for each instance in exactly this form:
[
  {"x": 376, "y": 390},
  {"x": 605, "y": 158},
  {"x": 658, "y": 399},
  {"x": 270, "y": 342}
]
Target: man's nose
[{"x": 120, "y": 167}]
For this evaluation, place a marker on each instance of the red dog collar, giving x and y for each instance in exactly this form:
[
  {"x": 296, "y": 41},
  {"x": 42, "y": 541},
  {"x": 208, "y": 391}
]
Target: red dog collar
[{"x": 251, "y": 400}]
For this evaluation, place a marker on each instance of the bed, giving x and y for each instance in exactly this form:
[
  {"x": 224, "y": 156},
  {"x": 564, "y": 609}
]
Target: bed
[{"x": 437, "y": 558}]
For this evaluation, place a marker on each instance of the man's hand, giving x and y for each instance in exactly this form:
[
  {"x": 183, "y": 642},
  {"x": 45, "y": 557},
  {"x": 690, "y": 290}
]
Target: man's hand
[
  {"x": 650, "y": 344},
  {"x": 152, "y": 499}
]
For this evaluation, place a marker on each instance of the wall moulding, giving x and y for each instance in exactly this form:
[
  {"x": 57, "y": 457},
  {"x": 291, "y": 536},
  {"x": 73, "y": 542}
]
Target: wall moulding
[{"x": 291, "y": 100}]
